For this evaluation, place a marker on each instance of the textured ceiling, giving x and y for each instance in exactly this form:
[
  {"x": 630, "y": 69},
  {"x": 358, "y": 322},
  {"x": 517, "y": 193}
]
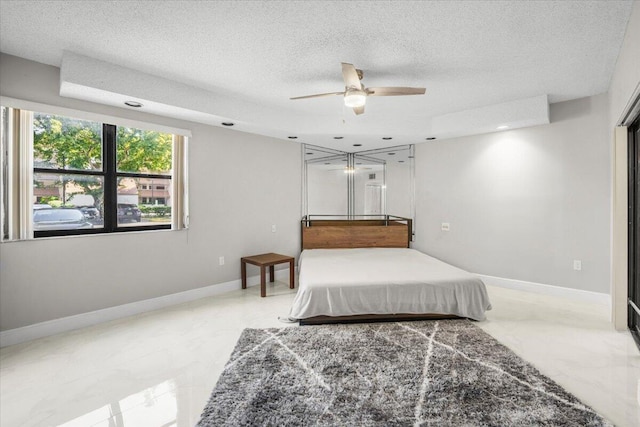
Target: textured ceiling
[{"x": 468, "y": 55}]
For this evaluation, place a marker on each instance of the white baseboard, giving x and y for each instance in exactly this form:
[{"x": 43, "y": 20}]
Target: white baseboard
[
  {"x": 539, "y": 288},
  {"x": 78, "y": 321},
  {"x": 70, "y": 323}
]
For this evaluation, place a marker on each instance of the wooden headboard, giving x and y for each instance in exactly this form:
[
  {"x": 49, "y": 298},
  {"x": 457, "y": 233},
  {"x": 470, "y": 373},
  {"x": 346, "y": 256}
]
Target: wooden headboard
[{"x": 383, "y": 231}]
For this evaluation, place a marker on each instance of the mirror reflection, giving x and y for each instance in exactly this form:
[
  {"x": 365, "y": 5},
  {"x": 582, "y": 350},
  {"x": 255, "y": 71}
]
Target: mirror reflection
[
  {"x": 326, "y": 181},
  {"x": 374, "y": 182}
]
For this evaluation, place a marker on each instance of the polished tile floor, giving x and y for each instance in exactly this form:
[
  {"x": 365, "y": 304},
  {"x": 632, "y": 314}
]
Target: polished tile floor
[{"x": 159, "y": 368}]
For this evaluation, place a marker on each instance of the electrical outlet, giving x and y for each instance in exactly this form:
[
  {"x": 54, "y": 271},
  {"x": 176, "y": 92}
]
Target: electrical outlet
[
  {"x": 577, "y": 264},
  {"x": 273, "y": 228},
  {"x": 445, "y": 226},
  {"x": 221, "y": 260}
]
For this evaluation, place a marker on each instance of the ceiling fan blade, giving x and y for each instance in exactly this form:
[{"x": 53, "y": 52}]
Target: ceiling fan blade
[
  {"x": 395, "y": 91},
  {"x": 358, "y": 110},
  {"x": 350, "y": 76},
  {"x": 319, "y": 95}
]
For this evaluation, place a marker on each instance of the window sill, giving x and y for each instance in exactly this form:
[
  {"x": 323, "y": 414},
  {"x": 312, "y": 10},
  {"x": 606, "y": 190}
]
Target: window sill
[{"x": 75, "y": 236}]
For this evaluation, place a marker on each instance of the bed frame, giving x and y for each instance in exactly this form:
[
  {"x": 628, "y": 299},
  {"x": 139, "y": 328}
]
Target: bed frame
[
  {"x": 368, "y": 231},
  {"x": 370, "y": 318}
]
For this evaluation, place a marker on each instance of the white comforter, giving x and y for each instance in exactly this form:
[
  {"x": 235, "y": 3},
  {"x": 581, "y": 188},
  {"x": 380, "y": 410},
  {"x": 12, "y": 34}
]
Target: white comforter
[{"x": 344, "y": 282}]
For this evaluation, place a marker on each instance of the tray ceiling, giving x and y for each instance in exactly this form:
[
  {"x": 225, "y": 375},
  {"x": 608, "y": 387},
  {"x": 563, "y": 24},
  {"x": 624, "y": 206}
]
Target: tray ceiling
[{"x": 245, "y": 59}]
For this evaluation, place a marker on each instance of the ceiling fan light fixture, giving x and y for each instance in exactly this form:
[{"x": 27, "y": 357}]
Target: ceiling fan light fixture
[{"x": 355, "y": 98}]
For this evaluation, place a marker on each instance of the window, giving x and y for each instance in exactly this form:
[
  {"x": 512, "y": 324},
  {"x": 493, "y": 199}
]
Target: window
[
  {"x": 68, "y": 174},
  {"x": 88, "y": 177}
]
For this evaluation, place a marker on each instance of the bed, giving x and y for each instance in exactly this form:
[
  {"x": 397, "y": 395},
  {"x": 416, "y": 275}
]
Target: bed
[{"x": 354, "y": 271}]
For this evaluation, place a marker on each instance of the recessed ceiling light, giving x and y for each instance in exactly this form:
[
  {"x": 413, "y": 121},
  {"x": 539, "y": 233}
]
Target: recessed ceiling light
[
  {"x": 292, "y": 137},
  {"x": 400, "y": 161},
  {"x": 357, "y": 145},
  {"x": 411, "y": 157},
  {"x": 391, "y": 154},
  {"x": 133, "y": 104},
  {"x": 503, "y": 127},
  {"x": 227, "y": 124},
  {"x": 431, "y": 138},
  {"x": 386, "y": 138},
  {"x": 338, "y": 137},
  {"x": 309, "y": 153}
]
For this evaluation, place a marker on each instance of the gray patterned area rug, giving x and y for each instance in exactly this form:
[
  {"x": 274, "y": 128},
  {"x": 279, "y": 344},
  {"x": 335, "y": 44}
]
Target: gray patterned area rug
[{"x": 437, "y": 373}]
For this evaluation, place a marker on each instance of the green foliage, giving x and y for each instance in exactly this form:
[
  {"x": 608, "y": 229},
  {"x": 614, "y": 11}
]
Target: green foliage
[
  {"x": 67, "y": 143},
  {"x": 145, "y": 209},
  {"x": 155, "y": 210},
  {"x": 143, "y": 151},
  {"x": 47, "y": 200}
]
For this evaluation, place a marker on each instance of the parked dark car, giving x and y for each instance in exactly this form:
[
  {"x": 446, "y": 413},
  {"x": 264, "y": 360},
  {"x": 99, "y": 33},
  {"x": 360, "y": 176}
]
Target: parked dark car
[
  {"x": 128, "y": 213},
  {"x": 59, "y": 219},
  {"x": 90, "y": 212}
]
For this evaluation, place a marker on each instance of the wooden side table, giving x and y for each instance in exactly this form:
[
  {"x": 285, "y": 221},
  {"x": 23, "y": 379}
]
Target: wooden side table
[{"x": 263, "y": 261}]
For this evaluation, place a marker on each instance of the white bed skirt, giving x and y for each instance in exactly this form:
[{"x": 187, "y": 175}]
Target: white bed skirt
[{"x": 345, "y": 282}]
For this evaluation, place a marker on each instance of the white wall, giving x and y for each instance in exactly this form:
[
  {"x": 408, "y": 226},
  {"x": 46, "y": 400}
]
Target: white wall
[
  {"x": 523, "y": 204},
  {"x": 240, "y": 184}
]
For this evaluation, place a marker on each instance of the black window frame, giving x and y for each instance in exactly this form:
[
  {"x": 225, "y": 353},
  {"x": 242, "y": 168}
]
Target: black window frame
[{"x": 110, "y": 176}]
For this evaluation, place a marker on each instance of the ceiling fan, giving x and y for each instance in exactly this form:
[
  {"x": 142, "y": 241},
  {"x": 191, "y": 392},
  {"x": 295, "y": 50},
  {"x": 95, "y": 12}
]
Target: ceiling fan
[{"x": 355, "y": 93}]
